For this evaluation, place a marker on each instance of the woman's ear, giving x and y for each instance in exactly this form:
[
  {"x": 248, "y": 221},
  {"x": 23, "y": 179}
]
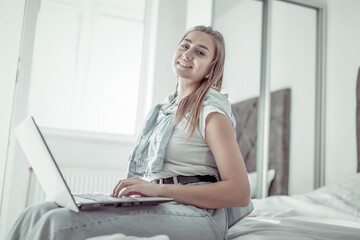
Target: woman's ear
[{"x": 205, "y": 79}]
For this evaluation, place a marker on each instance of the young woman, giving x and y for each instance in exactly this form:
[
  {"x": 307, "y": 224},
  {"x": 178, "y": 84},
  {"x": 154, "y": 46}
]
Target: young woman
[{"x": 186, "y": 151}]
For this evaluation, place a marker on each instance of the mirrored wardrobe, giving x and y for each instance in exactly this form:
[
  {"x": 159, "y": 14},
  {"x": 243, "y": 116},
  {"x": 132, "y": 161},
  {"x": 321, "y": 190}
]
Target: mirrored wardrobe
[{"x": 295, "y": 62}]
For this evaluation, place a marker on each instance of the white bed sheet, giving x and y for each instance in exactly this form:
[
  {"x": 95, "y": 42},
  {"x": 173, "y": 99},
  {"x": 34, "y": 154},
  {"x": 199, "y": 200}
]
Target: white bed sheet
[{"x": 331, "y": 212}]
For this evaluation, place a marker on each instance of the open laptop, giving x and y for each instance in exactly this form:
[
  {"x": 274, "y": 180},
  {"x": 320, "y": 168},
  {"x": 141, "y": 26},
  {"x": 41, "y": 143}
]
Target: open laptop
[{"x": 52, "y": 181}]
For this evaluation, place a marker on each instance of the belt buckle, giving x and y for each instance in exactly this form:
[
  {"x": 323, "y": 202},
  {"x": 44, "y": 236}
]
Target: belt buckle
[{"x": 161, "y": 181}]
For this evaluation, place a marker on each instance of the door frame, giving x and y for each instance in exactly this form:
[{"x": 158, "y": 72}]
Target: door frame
[{"x": 17, "y": 171}]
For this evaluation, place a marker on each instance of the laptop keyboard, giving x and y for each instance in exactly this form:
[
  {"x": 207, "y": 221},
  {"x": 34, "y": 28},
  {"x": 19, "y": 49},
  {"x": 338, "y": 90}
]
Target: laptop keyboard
[{"x": 98, "y": 197}]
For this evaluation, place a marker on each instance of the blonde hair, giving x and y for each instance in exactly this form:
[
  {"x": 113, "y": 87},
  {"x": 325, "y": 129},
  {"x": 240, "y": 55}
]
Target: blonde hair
[{"x": 193, "y": 102}]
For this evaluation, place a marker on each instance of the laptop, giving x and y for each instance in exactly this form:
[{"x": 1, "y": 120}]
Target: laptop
[{"x": 52, "y": 181}]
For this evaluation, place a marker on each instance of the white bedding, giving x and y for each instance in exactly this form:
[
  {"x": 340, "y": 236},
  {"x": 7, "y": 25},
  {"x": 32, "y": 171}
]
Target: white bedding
[{"x": 331, "y": 212}]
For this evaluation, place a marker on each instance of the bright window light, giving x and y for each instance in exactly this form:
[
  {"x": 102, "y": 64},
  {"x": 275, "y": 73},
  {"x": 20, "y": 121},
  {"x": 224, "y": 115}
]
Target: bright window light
[{"x": 87, "y": 64}]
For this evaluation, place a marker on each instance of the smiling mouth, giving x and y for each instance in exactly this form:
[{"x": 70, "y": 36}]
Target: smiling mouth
[{"x": 184, "y": 65}]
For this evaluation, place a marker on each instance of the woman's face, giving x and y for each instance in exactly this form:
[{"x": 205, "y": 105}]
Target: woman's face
[{"x": 193, "y": 56}]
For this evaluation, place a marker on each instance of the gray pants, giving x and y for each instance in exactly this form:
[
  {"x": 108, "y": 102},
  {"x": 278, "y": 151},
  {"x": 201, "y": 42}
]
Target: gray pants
[{"x": 49, "y": 221}]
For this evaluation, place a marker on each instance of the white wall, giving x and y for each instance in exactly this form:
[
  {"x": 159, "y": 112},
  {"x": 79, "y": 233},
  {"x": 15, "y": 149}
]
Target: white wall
[
  {"x": 193, "y": 17},
  {"x": 343, "y": 62}
]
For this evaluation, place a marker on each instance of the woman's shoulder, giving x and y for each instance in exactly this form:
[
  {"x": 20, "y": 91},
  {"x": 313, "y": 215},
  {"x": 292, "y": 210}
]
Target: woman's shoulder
[
  {"x": 214, "y": 95},
  {"x": 218, "y": 102},
  {"x": 217, "y": 99}
]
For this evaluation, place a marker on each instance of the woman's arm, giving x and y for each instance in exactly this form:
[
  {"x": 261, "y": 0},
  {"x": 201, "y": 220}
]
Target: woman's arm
[{"x": 233, "y": 190}]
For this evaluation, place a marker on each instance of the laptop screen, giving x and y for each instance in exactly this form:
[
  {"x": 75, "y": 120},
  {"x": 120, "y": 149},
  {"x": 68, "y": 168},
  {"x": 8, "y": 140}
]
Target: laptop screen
[{"x": 43, "y": 163}]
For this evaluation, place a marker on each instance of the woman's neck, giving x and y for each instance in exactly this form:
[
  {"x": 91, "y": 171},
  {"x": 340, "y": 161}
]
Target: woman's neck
[{"x": 186, "y": 87}]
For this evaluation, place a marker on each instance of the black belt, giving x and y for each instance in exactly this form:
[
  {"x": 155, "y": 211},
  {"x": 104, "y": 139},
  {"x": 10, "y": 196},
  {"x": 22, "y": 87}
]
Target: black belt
[{"x": 185, "y": 179}]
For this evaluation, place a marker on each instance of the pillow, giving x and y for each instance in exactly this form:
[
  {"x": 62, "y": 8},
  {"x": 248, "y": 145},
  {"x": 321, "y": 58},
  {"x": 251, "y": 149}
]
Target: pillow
[
  {"x": 253, "y": 181},
  {"x": 344, "y": 195}
]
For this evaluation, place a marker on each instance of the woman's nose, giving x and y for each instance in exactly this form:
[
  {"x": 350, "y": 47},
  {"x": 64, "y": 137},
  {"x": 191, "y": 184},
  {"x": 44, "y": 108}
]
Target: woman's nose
[{"x": 187, "y": 55}]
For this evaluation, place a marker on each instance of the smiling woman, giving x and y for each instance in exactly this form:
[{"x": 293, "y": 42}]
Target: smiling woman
[{"x": 187, "y": 151}]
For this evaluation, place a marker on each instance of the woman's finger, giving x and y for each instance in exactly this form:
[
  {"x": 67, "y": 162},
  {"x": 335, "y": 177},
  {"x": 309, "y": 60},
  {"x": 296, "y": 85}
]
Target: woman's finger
[
  {"x": 116, "y": 187},
  {"x": 123, "y": 184},
  {"x": 132, "y": 190}
]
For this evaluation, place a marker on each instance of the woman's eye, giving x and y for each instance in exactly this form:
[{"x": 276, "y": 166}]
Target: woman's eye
[
  {"x": 200, "y": 53},
  {"x": 183, "y": 46}
]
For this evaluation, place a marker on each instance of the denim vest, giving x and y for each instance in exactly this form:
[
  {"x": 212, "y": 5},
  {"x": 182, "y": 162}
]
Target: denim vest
[{"x": 149, "y": 151}]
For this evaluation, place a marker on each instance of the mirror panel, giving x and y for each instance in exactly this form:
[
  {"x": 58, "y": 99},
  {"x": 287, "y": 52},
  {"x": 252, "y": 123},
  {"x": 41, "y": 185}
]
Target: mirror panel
[{"x": 292, "y": 65}]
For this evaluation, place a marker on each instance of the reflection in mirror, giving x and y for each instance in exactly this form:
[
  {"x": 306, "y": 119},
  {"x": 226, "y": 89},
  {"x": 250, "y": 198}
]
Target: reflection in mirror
[{"x": 292, "y": 65}]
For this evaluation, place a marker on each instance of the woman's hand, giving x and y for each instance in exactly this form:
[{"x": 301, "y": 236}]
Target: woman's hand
[{"x": 136, "y": 186}]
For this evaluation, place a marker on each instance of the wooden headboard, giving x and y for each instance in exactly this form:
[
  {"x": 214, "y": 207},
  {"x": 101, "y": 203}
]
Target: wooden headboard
[
  {"x": 245, "y": 113},
  {"x": 358, "y": 119}
]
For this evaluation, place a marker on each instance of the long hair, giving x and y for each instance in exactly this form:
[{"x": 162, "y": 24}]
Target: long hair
[{"x": 193, "y": 102}]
